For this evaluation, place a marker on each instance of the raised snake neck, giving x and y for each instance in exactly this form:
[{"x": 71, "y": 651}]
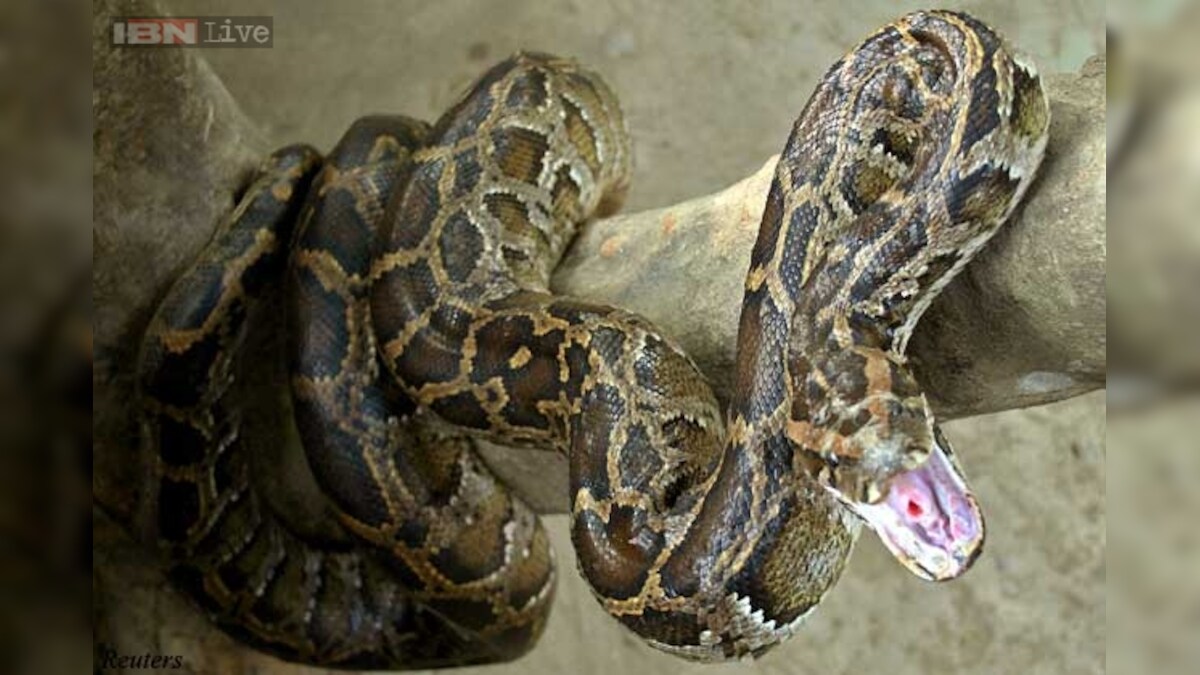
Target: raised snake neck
[{"x": 710, "y": 540}]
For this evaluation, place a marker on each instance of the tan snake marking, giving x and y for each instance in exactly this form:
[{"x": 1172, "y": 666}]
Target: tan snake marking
[{"x": 710, "y": 539}]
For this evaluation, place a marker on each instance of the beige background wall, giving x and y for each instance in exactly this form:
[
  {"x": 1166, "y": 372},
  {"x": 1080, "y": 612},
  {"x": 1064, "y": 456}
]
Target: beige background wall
[{"x": 710, "y": 89}]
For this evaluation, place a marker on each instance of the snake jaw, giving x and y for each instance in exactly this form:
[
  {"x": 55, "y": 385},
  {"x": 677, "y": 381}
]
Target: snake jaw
[{"x": 928, "y": 518}]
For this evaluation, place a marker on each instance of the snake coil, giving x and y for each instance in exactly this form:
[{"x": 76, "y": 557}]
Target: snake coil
[{"x": 418, "y": 285}]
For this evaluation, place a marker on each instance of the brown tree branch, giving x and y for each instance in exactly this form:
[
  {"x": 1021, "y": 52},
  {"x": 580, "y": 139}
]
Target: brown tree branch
[{"x": 1023, "y": 325}]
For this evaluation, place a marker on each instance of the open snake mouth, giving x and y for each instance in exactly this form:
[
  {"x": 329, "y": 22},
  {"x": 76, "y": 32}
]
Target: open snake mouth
[{"x": 928, "y": 519}]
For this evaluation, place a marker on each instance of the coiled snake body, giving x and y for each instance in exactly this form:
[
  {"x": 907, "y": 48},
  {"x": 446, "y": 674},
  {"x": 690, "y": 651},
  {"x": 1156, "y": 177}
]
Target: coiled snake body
[{"x": 419, "y": 280}]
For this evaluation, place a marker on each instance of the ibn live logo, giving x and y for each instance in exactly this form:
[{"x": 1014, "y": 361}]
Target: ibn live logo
[{"x": 193, "y": 31}]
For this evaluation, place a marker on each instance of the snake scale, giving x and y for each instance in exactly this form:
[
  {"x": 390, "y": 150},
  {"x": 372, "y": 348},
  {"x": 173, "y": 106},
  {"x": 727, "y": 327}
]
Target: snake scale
[{"x": 417, "y": 263}]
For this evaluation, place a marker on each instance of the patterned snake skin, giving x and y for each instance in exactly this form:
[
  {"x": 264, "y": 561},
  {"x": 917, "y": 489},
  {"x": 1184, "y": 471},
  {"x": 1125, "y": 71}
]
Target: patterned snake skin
[{"x": 418, "y": 286}]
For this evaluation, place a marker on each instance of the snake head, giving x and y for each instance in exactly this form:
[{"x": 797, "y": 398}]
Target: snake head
[
  {"x": 927, "y": 516},
  {"x": 868, "y": 436}
]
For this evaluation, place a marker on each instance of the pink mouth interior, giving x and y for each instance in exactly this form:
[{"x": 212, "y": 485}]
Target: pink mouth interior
[{"x": 929, "y": 520}]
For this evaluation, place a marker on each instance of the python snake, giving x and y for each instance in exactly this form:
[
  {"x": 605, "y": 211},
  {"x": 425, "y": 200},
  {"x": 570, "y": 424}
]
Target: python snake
[{"x": 417, "y": 286}]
